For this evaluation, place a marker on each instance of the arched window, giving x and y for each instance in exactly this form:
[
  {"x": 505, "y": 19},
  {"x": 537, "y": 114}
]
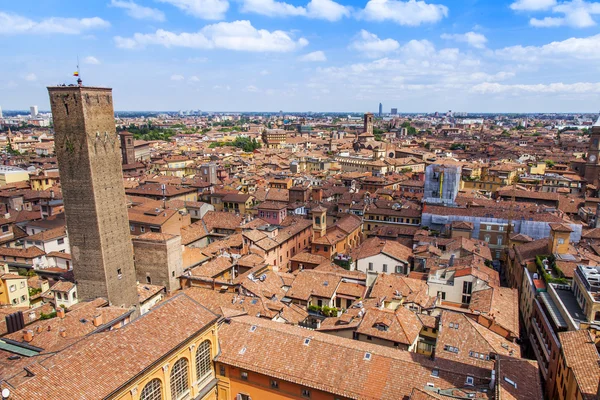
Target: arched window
[
  {"x": 203, "y": 360},
  {"x": 179, "y": 378},
  {"x": 152, "y": 390}
]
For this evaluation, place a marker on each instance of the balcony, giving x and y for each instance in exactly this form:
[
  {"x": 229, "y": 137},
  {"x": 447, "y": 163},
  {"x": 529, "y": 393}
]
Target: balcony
[
  {"x": 540, "y": 339},
  {"x": 541, "y": 362}
]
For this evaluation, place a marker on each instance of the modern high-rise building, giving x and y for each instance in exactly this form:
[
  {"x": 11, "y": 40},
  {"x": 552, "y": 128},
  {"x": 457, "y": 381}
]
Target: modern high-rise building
[
  {"x": 89, "y": 161},
  {"x": 33, "y": 110},
  {"x": 1, "y": 112},
  {"x": 394, "y": 111},
  {"x": 380, "y": 109}
]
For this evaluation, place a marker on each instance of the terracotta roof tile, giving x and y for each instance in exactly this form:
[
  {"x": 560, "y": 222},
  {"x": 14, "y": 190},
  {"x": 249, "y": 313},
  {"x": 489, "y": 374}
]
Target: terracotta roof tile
[{"x": 113, "y": 356}]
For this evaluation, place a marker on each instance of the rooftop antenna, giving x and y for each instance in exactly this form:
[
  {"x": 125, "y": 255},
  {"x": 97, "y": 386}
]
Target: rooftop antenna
[{"x": 76, "y": 73}]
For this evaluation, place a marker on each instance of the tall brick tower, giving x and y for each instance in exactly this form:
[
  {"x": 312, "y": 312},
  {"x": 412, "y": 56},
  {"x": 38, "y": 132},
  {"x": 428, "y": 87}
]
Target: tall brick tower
[
  {"x": 89, "y": 161},
  {"x": 368, "y": 123},
  {"x": 592, "y": 167},
  {"x": 127, "y": 149}
]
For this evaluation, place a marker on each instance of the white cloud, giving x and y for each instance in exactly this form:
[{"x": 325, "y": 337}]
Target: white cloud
[
  {"x": 31, "y": 77},
  {"x": 575, "y": 14},
  {"x": 136, "y": 11},
  {"x": 91, "y": 60},
  {"x": 532, "y": 5},
  {"x": 236, "y": 35},
  {"x": 587, "y": 48},
  {"x": 317, "y": 9},
  {"x": 265, "y": 72},
  {"x": 547, "y": 22},
  {"x": 315, "y": 56},
  {"x": 550, "y": 88},
  {"x": 177, "y": 77},
  {"x": 473, "y": 39},
  {"x": 271, "y": 8},
  {"x": 194, "y": 78},
  {"x": 418, "y": 49},
  {"x": 197, "y": 60},
  {"x": 409, "y": 13},
  {"x": 205, "y": 9},
  {"x": 11, "y": 24},
  {"x": 327, "y": 9},
  {"x": 369, "y": 44},
  {"x": 251, "y": 88},
  {"x": 415, "y": 67}
]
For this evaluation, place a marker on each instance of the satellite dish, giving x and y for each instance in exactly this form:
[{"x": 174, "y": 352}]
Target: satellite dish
[{"x": 5, "y": 393}]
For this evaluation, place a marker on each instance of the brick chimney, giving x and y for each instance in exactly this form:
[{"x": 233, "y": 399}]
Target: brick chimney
[
  {"x": 28, "y": 335},
  {"x": 97, "y": 320},
  {"x": 63, "y": 333},
  {"x": 38, "y": 329},
  {"x": 60, "y": 312}
]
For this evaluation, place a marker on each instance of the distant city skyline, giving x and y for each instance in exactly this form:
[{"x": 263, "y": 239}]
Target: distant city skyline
[
  {"x": 355, "y": 114},
  {"x": 346, "y": 56}
]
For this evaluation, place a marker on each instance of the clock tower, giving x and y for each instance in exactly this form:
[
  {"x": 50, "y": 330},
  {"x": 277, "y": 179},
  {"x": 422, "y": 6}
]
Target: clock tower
[{"x": 592, "y": 167}]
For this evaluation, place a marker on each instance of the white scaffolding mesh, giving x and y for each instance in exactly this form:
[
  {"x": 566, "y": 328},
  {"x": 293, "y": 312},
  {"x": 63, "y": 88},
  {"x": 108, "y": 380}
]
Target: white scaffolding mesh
[
  {"x": 442, "y": 183},
  {"x": 534, "y": 229}
]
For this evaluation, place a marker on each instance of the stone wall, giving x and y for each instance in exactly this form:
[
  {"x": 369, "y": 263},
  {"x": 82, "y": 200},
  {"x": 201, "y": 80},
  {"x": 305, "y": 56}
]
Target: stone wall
[{"x": 158, "y": 259}]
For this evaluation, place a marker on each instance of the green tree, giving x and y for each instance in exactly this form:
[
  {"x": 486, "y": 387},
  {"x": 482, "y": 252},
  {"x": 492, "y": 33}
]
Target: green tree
[{"x": 12, "y": 151}]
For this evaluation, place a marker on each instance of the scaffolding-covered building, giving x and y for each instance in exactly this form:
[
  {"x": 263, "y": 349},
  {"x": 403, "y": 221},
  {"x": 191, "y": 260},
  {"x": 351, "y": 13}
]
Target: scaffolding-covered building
[{"x": 442, "y": 183}]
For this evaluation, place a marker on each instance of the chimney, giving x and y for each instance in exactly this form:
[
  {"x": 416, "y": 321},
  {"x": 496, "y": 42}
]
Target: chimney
[
  {"x": 63, "y": 333},
  {"x": 97, "y": 320},
  {"x": 28, "y": 335},
  {"x": 60, "y": 312},
  {"x": 38, "y": 329}
]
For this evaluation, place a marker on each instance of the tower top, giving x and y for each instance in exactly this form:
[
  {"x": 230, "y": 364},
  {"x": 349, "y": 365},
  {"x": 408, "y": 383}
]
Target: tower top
[
  {"x": 65, "y": 87},
  {"x": 597, "y": 123}
]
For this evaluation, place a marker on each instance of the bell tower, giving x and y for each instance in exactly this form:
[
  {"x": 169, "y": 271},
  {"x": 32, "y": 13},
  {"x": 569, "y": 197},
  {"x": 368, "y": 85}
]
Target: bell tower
[
  {"x": 319, "y": 216},
  {"x": 368, "y": 123},
  {"x": 592, "y": 167}
]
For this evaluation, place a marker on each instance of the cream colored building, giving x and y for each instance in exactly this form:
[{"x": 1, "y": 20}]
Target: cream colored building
[{"x": 10, "y": 174}]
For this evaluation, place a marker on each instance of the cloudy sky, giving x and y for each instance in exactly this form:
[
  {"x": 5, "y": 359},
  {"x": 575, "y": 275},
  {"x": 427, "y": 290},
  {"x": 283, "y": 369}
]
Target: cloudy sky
[{"x": 307, "y": 55}]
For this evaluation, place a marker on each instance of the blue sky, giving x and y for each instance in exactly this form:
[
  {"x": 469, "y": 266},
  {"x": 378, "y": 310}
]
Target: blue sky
[{"x": 309, "y": 55}]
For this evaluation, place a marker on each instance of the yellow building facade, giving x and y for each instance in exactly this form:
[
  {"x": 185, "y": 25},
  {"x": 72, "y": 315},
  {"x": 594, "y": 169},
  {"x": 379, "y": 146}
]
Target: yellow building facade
[
  {"x": 14, "y": 290},
  {"x": 186, "y": 373}
]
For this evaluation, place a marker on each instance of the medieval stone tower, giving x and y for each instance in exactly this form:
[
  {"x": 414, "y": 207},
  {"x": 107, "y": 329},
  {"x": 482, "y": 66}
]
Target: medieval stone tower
[
  {"x": 127, "y": 149},
  {"x": 368, "y": 123},
  {"x": 89, "y": 161}
]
